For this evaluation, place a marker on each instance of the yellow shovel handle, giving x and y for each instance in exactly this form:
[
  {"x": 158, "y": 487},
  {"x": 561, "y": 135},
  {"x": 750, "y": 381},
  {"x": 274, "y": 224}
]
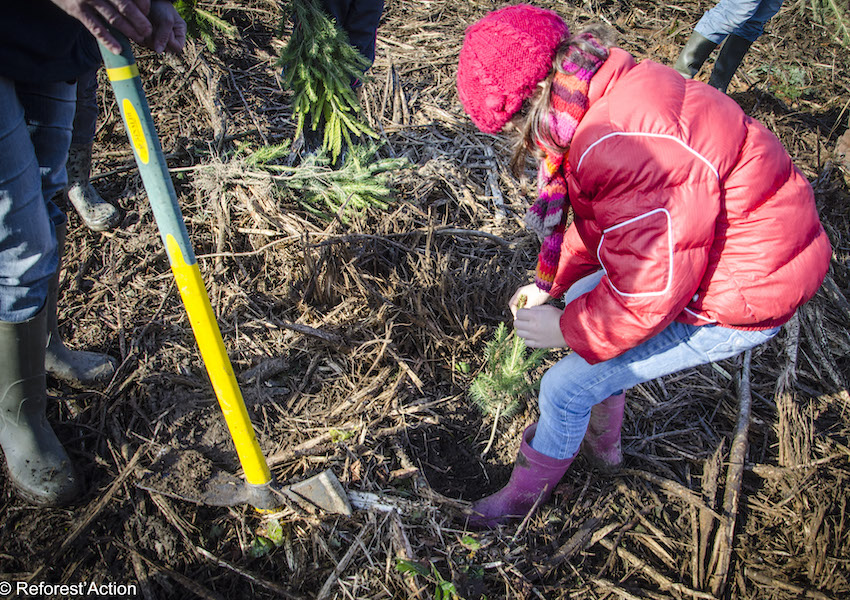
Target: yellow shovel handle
[
  {"x": 124, "y": 77},
  {"x": 207, "y": 334}
]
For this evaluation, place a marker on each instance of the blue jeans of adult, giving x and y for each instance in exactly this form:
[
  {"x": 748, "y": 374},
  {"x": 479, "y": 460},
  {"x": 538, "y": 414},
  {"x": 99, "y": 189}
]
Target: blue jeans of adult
[
  {"x": 35, "y": 133},
  {"x": 572, "y": 387},
  {"x": 743, "y": 18},
  {"x": 359, "y": 19},
  {"x": 85, "y": 117}
]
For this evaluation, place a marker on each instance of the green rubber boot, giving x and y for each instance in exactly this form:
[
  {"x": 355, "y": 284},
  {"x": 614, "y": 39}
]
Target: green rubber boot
[
  {"x": 37, "y": 464},
  {"x": 96, "y": 213},
  {"x": 697, "y": 49},
  {"x": 77, "y": 367},
  {"x": 728, "y": 61}
]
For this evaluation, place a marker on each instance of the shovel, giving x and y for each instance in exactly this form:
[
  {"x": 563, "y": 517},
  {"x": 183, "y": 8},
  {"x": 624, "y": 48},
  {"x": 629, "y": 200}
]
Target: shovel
[{"x": 257, "y": 488}]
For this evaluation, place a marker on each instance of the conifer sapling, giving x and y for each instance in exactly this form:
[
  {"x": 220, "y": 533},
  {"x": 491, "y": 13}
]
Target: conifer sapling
[
  {"x": 500, "y": 388},
  {"x": 319, "y": 66}
]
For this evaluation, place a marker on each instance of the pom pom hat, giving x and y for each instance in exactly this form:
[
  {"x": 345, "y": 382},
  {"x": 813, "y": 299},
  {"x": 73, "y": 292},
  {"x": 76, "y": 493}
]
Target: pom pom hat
[{"x": 503, "y": 58}]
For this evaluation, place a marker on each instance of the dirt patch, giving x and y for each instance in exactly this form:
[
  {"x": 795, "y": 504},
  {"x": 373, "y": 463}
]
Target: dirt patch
[{"x": 348, "y": 340}]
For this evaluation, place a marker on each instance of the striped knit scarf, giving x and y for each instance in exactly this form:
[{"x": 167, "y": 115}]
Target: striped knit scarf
[{"x": 546, "y": 217}]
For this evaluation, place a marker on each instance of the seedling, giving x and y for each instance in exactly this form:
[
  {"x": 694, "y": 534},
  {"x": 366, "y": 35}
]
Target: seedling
[
  {"x": 202, "y": 24},
  {"x": 319, "y": 65},
  {"x": 500, "y": 388},
  {"x": 443, "y": 589}
]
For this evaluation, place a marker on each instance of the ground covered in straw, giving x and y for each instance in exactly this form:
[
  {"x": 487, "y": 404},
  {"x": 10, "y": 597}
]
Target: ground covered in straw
[{"x": 355, "y": 340}]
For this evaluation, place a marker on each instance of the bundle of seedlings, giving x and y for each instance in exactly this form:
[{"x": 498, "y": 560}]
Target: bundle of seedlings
[
  {"x": 503, "y": 384},
  {"x": 319, "y": 66},
  {"x": 362, "y": 181}
]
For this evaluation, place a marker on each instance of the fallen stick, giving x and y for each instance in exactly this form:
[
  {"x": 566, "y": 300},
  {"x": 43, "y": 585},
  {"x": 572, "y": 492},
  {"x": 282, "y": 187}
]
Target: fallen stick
[
  {"x": 577, "y": 542},
  {"x": 771, "y": 582},
  {"x": 331, "y": 581},
  {"x": 723, "y": 541},
  {"x": 612, "y": 588},
  {"x": 673, "y": 489},
  {"x": 279, "y": 590},
  {"x": 707, "y": 522},
  {"x": 193, "y": 586},
  {"x": 404, "y": 551},
  {"x": 665, "y": 583}
]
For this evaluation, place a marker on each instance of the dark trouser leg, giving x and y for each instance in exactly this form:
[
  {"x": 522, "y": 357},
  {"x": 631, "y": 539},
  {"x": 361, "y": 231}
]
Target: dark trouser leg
[
  {"x": 728, "y": 61},
  {"x": 693, "y": 55}
]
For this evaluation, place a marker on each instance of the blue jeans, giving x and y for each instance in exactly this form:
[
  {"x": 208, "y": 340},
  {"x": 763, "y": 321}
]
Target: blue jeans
[
  {"x": 571, "y": 387},
  {"x": 35, "y": 133},
  {"x": 85, "y": 117},
  {"x": 743, "y": 18},
  {"x": 359, "y": 19}
]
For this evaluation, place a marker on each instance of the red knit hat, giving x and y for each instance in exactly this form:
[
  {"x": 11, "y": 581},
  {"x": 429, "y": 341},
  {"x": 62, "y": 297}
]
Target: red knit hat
[{"x": 503, "y": 58}]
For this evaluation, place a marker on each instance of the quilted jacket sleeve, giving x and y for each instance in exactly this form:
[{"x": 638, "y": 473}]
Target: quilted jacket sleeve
[
  {"x": 574, "y": 262},
  {"x": 655, "y": 202}
]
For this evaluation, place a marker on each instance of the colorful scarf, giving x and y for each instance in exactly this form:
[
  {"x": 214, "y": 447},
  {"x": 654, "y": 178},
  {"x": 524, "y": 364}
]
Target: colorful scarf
[{"x": 547, "y": 216}]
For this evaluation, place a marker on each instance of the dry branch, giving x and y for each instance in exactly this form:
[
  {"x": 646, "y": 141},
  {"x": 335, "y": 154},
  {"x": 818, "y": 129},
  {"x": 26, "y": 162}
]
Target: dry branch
[
  {"x": 674, "y": 489},
  {"x": 707, "y": 520},
  {"x": 205, "y": 87},
  {"x": 188, "y": 583},
  {"x": 577, "y": 542},
  {"x": 279, "y": 590},
  {"x": 664, "y": 582},
  {"x": 773, "y": 583},
  {"x": 724, "y": 539},
  {"x": 330, "y": 582}
]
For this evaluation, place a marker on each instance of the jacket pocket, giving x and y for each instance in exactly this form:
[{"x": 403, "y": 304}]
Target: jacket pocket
[{"x": 637, "y": 255}]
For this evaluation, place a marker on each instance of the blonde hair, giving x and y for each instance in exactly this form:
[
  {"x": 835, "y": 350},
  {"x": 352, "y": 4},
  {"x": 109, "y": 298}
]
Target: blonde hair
[{"x": 532, "y": 121}]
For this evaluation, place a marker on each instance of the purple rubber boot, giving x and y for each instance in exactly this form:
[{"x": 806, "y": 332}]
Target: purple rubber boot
[
  {"x": 535, "y": 475},
  {"x": 601, "y": 446}
]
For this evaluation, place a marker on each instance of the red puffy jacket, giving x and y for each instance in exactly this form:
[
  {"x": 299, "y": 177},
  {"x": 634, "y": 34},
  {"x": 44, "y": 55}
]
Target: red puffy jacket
[{"x": 694, "y": 211}]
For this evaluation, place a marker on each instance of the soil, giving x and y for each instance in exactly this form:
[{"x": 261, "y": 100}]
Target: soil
[{"x": 355, "y": 341}]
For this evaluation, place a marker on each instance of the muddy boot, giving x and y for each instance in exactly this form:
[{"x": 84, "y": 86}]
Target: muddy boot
[
  {"x": 77, "y": 367},
  {"x": 601, "y": 445},
  {"x": 96, "y": 213},
  {"x": 697, "y": 49},
  {"x": 534, "y": 477},
  {"x": 728, "y": 61},
  {"x": 38, "y": 465}
]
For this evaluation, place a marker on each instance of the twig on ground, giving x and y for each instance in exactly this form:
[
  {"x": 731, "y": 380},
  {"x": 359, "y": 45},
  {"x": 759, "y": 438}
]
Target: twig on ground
[
  {"x": 330, "y": 582},
  {"x": 261, "y": 581},
  {"x": 724, "y": 539},
  {"x": 665, "y": 583}
]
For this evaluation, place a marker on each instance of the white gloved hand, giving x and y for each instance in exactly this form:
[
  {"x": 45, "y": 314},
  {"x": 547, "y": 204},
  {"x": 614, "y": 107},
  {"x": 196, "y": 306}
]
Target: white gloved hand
[
  {"x": 540, "y": 326},
  {"x": 534, "y": 296}
]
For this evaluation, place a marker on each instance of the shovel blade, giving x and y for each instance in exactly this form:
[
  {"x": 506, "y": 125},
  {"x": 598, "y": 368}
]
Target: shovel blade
[
  {"x": 222, "y": 490},
  {"x": 322, "y": 493}
]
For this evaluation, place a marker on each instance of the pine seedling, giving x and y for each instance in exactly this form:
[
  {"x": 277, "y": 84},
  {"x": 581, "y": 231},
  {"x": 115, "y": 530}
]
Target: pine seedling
[
  {"x": 202, "y": 24},
  {"x": 319, "y": 65},
  {"x": 360, "y": 182},
  {"x": 500, "y": 388}
]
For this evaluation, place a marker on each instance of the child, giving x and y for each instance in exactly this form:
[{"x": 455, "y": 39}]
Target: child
[
  {"x": 740, "y": 23},
  {"x": 694, "y": 237}
]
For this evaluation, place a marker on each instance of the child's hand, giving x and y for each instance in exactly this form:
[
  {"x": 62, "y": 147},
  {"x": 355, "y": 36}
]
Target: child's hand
[
  {"x": 540, "y": 326},
  {"x": 534, "y": 297}
]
